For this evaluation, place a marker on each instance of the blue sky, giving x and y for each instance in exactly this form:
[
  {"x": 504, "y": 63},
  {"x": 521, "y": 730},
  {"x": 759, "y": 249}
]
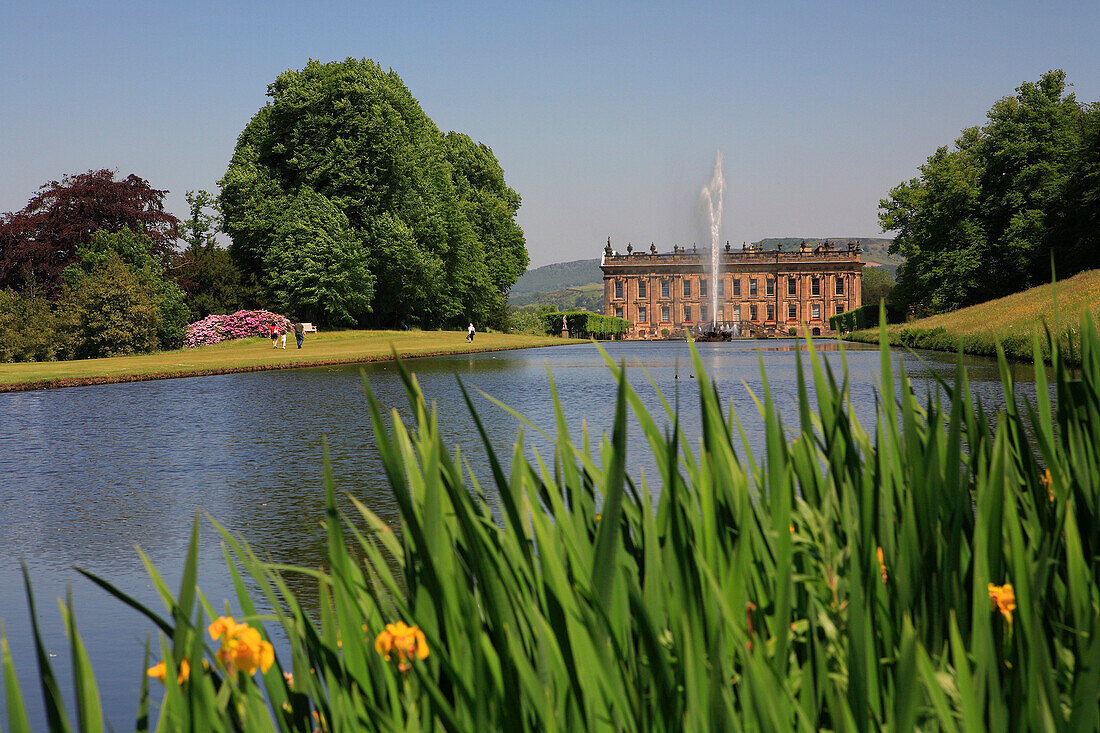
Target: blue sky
[{"x": 605, "y": 117}]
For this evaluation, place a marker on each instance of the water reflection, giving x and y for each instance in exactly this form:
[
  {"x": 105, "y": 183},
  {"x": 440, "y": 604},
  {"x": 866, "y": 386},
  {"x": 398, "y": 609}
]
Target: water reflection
[{"x": 93, "y": 471}]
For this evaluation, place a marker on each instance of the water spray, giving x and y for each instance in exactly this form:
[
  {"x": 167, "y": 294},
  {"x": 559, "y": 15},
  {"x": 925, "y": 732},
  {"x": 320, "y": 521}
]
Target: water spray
[{"x": 713, "y": 193}]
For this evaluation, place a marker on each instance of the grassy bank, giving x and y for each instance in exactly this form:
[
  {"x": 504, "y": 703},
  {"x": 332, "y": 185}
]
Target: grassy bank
[
  {"x": 256, "y": 354},
  {"x": 1012, "y": 321},
  {"x": 938, "y": 571}
]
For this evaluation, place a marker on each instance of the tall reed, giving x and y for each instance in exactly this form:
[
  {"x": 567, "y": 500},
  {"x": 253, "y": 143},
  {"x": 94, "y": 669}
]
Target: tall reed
[{"x": 939, "y": 570}]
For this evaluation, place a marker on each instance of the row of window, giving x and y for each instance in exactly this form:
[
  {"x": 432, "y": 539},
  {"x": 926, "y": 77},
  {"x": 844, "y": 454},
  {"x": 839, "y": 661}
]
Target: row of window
[
  {"x": 769, "y": 286},
  {"x": 792, "y": 312}
]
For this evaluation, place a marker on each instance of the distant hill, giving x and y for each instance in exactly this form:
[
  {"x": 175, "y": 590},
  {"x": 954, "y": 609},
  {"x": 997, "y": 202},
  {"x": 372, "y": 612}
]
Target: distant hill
[
  {"x": 555, "y": 284},
  {"x": 559, "y": 276},
  {"x": 583, "y": 297}
]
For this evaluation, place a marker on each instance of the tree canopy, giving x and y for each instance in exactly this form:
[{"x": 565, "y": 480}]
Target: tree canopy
[
  {"x": 316, "y": 266},
  {"x": 425, "y": 221},
  {"x": 984, "y": 219},
  {"x": 97, "y": 265},
  {"x": 39, "y": 241},
  {"x": 876, "y": 286},
  {"x": 205, "y": 271}
]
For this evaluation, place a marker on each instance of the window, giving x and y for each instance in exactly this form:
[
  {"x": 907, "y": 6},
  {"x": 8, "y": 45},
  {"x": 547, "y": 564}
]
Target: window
[
  {"x": 736, "y": 287},
  {"x": 721, "y": 288},
  {"x": 792, "y": 312},
  {"x": 687, "y": 312},
  {"x": 752, "y": 286},
  {"x": 641, "y": 315},
  {"x": 815, "y": 312},
  {"x": 703, "y": 313},
  {"x": 771, "y": 310},
  {"x": 703, "y": 288},
  {"x": 737, "y": 313},
  {"x": 641, "y": 289},
  {"x": 792, "y": 286},
  {"x": 664, "y": 289},
  {"x": 840, "y": 286},
  {"x": 664, "y": 314},
  {"x": 619, "y": 312},
  {"x": 752, "y": 312},
  {"x": 618, "y": 289},
  {"x": 839, "y": 307},
  {"x": 770, "y": 286},
  {"x": 687, "y": 288},
  {"x": 815, "y": 286}
]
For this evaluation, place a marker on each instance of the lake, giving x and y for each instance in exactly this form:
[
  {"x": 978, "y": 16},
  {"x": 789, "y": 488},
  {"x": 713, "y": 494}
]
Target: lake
[{"x": 91, "y": 472}]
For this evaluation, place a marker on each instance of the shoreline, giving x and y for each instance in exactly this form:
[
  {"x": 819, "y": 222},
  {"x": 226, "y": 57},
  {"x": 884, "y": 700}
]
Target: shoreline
[{"x": 65, "y": 382}]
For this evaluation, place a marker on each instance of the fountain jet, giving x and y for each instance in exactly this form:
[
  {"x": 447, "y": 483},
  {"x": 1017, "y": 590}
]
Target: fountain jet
[{"x": 712, "y": 194}]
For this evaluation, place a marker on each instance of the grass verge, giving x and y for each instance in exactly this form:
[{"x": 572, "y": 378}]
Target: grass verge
[
  {"x": 1011, "y": 321},
  {"x": 256, "y": 354}
]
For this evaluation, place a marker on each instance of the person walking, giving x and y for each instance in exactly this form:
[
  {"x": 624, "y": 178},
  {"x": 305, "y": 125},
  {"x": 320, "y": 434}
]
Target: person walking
[
  {"x": 470, "y": 333},
  {"x": 286, "y": 328},
  {"x": 274, "y": 336},
  {"x": 300, "y": 333}
]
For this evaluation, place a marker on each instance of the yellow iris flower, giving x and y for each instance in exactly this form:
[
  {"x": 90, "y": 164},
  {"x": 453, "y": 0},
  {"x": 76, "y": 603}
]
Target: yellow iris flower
[
  {"x": 1003, "y": 598},
  {"x": 243, "y": 649},
  {"x": 160, "y": 672},
  {"x": 407, "y": 641}
]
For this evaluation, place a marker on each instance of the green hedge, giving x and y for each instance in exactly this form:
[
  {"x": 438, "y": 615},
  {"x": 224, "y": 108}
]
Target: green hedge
[
  {"x": 583, "y": 324},
  {"x": 864, "y": 317}
]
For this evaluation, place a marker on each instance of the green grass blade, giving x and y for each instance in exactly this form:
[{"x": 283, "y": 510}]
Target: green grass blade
[
  {"x": 51, "y": 691},
  {"x": 89, "y": 712},
  {"x": 13, "y": 696}
]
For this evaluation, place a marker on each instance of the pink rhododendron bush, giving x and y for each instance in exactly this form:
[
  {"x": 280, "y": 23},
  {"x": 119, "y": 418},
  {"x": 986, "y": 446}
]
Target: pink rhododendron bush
[{"x": 217, "y": 328}]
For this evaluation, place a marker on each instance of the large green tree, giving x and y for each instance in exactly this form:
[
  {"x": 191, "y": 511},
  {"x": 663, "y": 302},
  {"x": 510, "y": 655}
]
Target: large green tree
[
  {"x": 111, "y": 310},
  {"x": 354, "y": 136},
  {"x": 983, "y": 219},
  {"x": 1075, "y": 223},
  {"x": 205, "y": 271},
  {"x": 316, "y": 266},
  {"x": 39, "y": 241},
  {"x": 938, "y": 230},
  {"x": 491, "y": 207},
  {"x": 96, "y": 265},
  {"x": 877, "y": 285}
]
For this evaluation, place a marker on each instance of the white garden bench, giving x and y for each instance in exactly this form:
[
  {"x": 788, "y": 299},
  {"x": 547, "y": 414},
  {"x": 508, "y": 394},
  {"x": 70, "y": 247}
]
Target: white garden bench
[{"x": 308, "y": 328}]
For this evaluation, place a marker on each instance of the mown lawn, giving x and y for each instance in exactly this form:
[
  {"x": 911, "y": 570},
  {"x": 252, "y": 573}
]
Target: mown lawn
[
  {"x": 1011, "y": 320},
  {"x": 256, "y": 354}
]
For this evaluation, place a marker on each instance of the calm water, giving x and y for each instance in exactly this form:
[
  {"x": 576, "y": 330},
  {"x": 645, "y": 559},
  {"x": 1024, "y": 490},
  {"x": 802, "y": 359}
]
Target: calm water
[{"x": 89, "y": 473}]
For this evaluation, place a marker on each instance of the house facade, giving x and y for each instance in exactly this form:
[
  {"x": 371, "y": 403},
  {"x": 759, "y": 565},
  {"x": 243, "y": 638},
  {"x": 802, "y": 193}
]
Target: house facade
[{"x": 761, "y": 292}]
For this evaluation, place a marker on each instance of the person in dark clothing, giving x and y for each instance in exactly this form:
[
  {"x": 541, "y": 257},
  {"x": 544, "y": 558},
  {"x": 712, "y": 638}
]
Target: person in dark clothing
[{"x": 299, "y": 333}]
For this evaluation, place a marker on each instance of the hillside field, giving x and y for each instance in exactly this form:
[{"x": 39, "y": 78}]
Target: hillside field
[{"x": 1011, "y": 320}]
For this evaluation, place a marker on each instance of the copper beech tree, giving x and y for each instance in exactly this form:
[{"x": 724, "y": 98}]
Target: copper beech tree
[{"x": 37, "y": 242}]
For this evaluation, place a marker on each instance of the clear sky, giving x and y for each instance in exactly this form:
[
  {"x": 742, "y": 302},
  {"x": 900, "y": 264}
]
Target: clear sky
[{"x": 605, "y": 117}]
